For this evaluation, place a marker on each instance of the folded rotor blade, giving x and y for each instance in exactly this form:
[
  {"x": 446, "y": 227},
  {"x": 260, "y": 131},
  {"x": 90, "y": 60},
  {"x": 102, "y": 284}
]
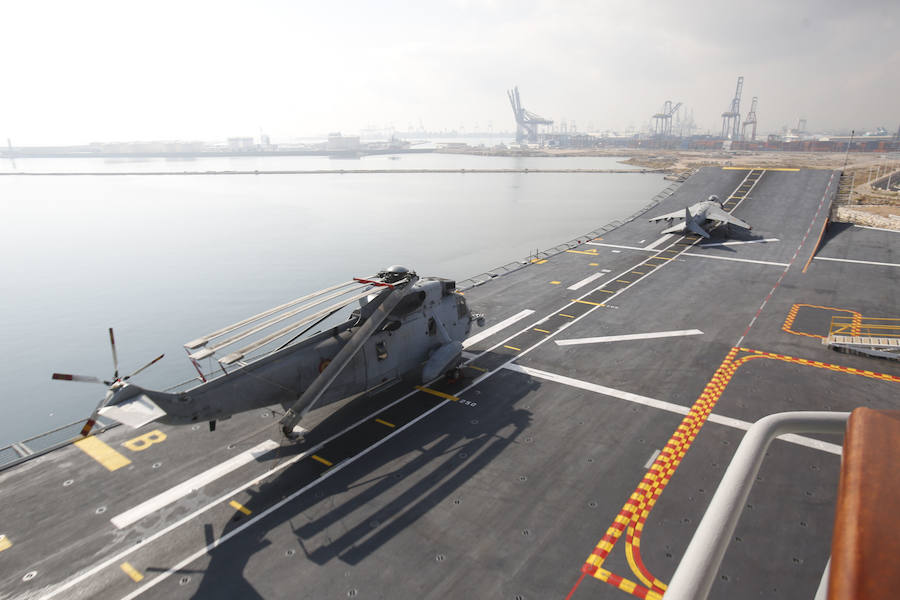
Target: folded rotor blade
[
  {"x": 112, "y": 343},
  {"x": 92, "y": 420},
  {"x": 84, "y": 378},
  {"x": 127, "y": 377}
]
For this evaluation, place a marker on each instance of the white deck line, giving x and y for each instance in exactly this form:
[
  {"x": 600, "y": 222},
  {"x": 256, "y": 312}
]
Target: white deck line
[
  {"x": 746, "y": 260},
  {"x": 657, "y": 242},
  {"x": 859, "y": 262},
  {"x": 631, "y": 336},
  {"x": 498, "y": 327},
  {"x": 181, "y": 490},
  {"x": 619, "y": 246},
  {"x": 877, "y": 228},
  {"x": 738, "y": 243},
  {"x": 585, "y": 281},
  {"x": 667, "y": 406}
]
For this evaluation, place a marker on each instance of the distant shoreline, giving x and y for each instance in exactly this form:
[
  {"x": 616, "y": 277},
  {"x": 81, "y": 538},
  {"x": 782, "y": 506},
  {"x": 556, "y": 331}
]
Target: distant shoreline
[{"x": 319, "y": 172}]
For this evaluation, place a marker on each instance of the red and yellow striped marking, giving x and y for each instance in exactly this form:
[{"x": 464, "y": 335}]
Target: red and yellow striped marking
[{"x": 633, "y": 516}]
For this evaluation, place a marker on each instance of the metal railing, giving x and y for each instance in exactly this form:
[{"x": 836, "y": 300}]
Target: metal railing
[
  {"x": 698, "y": 567},
  {"x": 482, "y": 278},
  {"x": 19, "y": 452}
]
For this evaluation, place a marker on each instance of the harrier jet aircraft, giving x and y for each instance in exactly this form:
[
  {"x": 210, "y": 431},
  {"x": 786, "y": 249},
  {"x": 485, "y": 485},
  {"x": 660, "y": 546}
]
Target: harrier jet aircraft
[
  {"x": 696, "y": 217},
  {"x": 405, "y": 327}
]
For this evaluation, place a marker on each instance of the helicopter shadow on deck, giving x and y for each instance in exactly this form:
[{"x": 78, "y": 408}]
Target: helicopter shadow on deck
[{"x": 433, "y": 460}]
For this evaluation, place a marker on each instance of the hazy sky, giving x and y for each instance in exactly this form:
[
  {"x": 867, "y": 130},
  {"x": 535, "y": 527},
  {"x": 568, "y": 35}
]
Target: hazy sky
[{"x": 75, "y": 72}]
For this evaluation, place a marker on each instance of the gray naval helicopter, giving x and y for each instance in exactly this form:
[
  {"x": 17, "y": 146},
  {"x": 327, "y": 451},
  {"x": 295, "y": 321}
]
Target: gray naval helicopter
[{"x": 404, "y": 327}]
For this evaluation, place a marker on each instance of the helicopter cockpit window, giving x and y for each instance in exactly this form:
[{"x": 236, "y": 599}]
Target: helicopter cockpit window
[{"x": 409, "y": 303}]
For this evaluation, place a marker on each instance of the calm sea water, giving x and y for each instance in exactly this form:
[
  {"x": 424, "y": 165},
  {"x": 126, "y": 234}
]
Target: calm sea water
[{"x": 165, "y": 259}]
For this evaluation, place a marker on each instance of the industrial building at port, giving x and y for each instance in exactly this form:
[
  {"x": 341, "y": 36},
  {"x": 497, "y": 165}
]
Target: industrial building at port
[{"x": 673, "y": 128}]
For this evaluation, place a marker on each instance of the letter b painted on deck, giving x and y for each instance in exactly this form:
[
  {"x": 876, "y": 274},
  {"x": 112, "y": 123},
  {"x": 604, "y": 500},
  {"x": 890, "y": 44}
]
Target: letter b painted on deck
[{"x": 142, "y": 442}]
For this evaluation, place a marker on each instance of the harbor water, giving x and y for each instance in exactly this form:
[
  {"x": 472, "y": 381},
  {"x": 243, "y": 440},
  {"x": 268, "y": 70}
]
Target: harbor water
[{"x": 164, "y": 259}]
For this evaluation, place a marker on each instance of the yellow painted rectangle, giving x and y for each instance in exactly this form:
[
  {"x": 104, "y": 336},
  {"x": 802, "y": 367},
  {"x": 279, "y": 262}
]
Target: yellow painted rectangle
[
  {"x": 622, "y": 281},
  {"x": 238, "y": 506},
  {"x": 385, "y": 423},
  {"x": 566, "y": 316},
  {"x": 638, "y": 273},
  {"x": 593, "y": 264},
  {"x": 592, "y": 253},
  {"x": 4, "y": 542},
  {"x": 555, "y": 282},
  {"x": 512, "y": 348},
  {"x": 477, "y": 368},
  {"x": 540, "y": 262},
  {"x": 102, "y": 453},
  {"x": 436, "y": 393},
  {"x": 131, "y": 572},
  {"x": 327, "y": 463},
  {"x": 541, "y": 330},
  {"x": 662, "y": 258}
]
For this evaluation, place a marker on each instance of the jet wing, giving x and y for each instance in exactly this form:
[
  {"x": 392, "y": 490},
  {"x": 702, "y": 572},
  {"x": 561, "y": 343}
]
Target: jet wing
[
  {"x": 678, "y": 214},
  {"x": 717, "y": 214}
]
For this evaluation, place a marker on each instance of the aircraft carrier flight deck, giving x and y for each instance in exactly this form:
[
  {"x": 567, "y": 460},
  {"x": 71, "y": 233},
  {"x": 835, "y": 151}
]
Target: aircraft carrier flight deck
[{"x": 596, "y": 414}]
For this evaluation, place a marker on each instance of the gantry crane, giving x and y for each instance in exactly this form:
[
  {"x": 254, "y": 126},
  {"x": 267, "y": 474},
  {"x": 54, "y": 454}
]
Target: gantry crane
[
  {"x": 526, "y": 122},
  {"x": 731, "y": 119},
  {"x": 750, "y": 120},
  {"x": 663, "y": 119}
]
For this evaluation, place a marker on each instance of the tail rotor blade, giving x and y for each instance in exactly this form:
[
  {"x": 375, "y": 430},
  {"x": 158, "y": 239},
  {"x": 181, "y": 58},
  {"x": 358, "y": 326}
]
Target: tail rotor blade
[
  {"x": 127, "y": 377},
  {"x": 83, "y": 378},
  {"x": 112, "y": 343},
  {"x": 92, "y": 420}
]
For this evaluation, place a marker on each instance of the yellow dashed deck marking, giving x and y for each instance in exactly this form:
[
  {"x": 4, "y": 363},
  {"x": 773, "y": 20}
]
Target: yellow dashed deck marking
[
  {"x": 436, "y": 393},
  {"x": 385, "y": 423},
  {"x": 327, "y": 463},
  {"x": 589, "y": 302},
  {"x": 131, "y": 572},
  {"x": 593, "y": 264},
  {"x": 607, "y": 291},
  {"x": 589, "y": 253},
  {"x": 622, "y": 281},
  {"x": 4, "y": 542},
  {"x": 102, "y": 453},
  {"x": 541, "y": 330},
  {"x": 555, "y": 282},
  {"x": 238, "y": 506},
  {"x": 661, "y": 258},
  {"x": 512, "y": 348},
  {"x": 638, "y": 273},
  {"x": 540, "y": 262},
  {"x": 476, "y": 368},
  {"x": 566, "y": 316}
]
